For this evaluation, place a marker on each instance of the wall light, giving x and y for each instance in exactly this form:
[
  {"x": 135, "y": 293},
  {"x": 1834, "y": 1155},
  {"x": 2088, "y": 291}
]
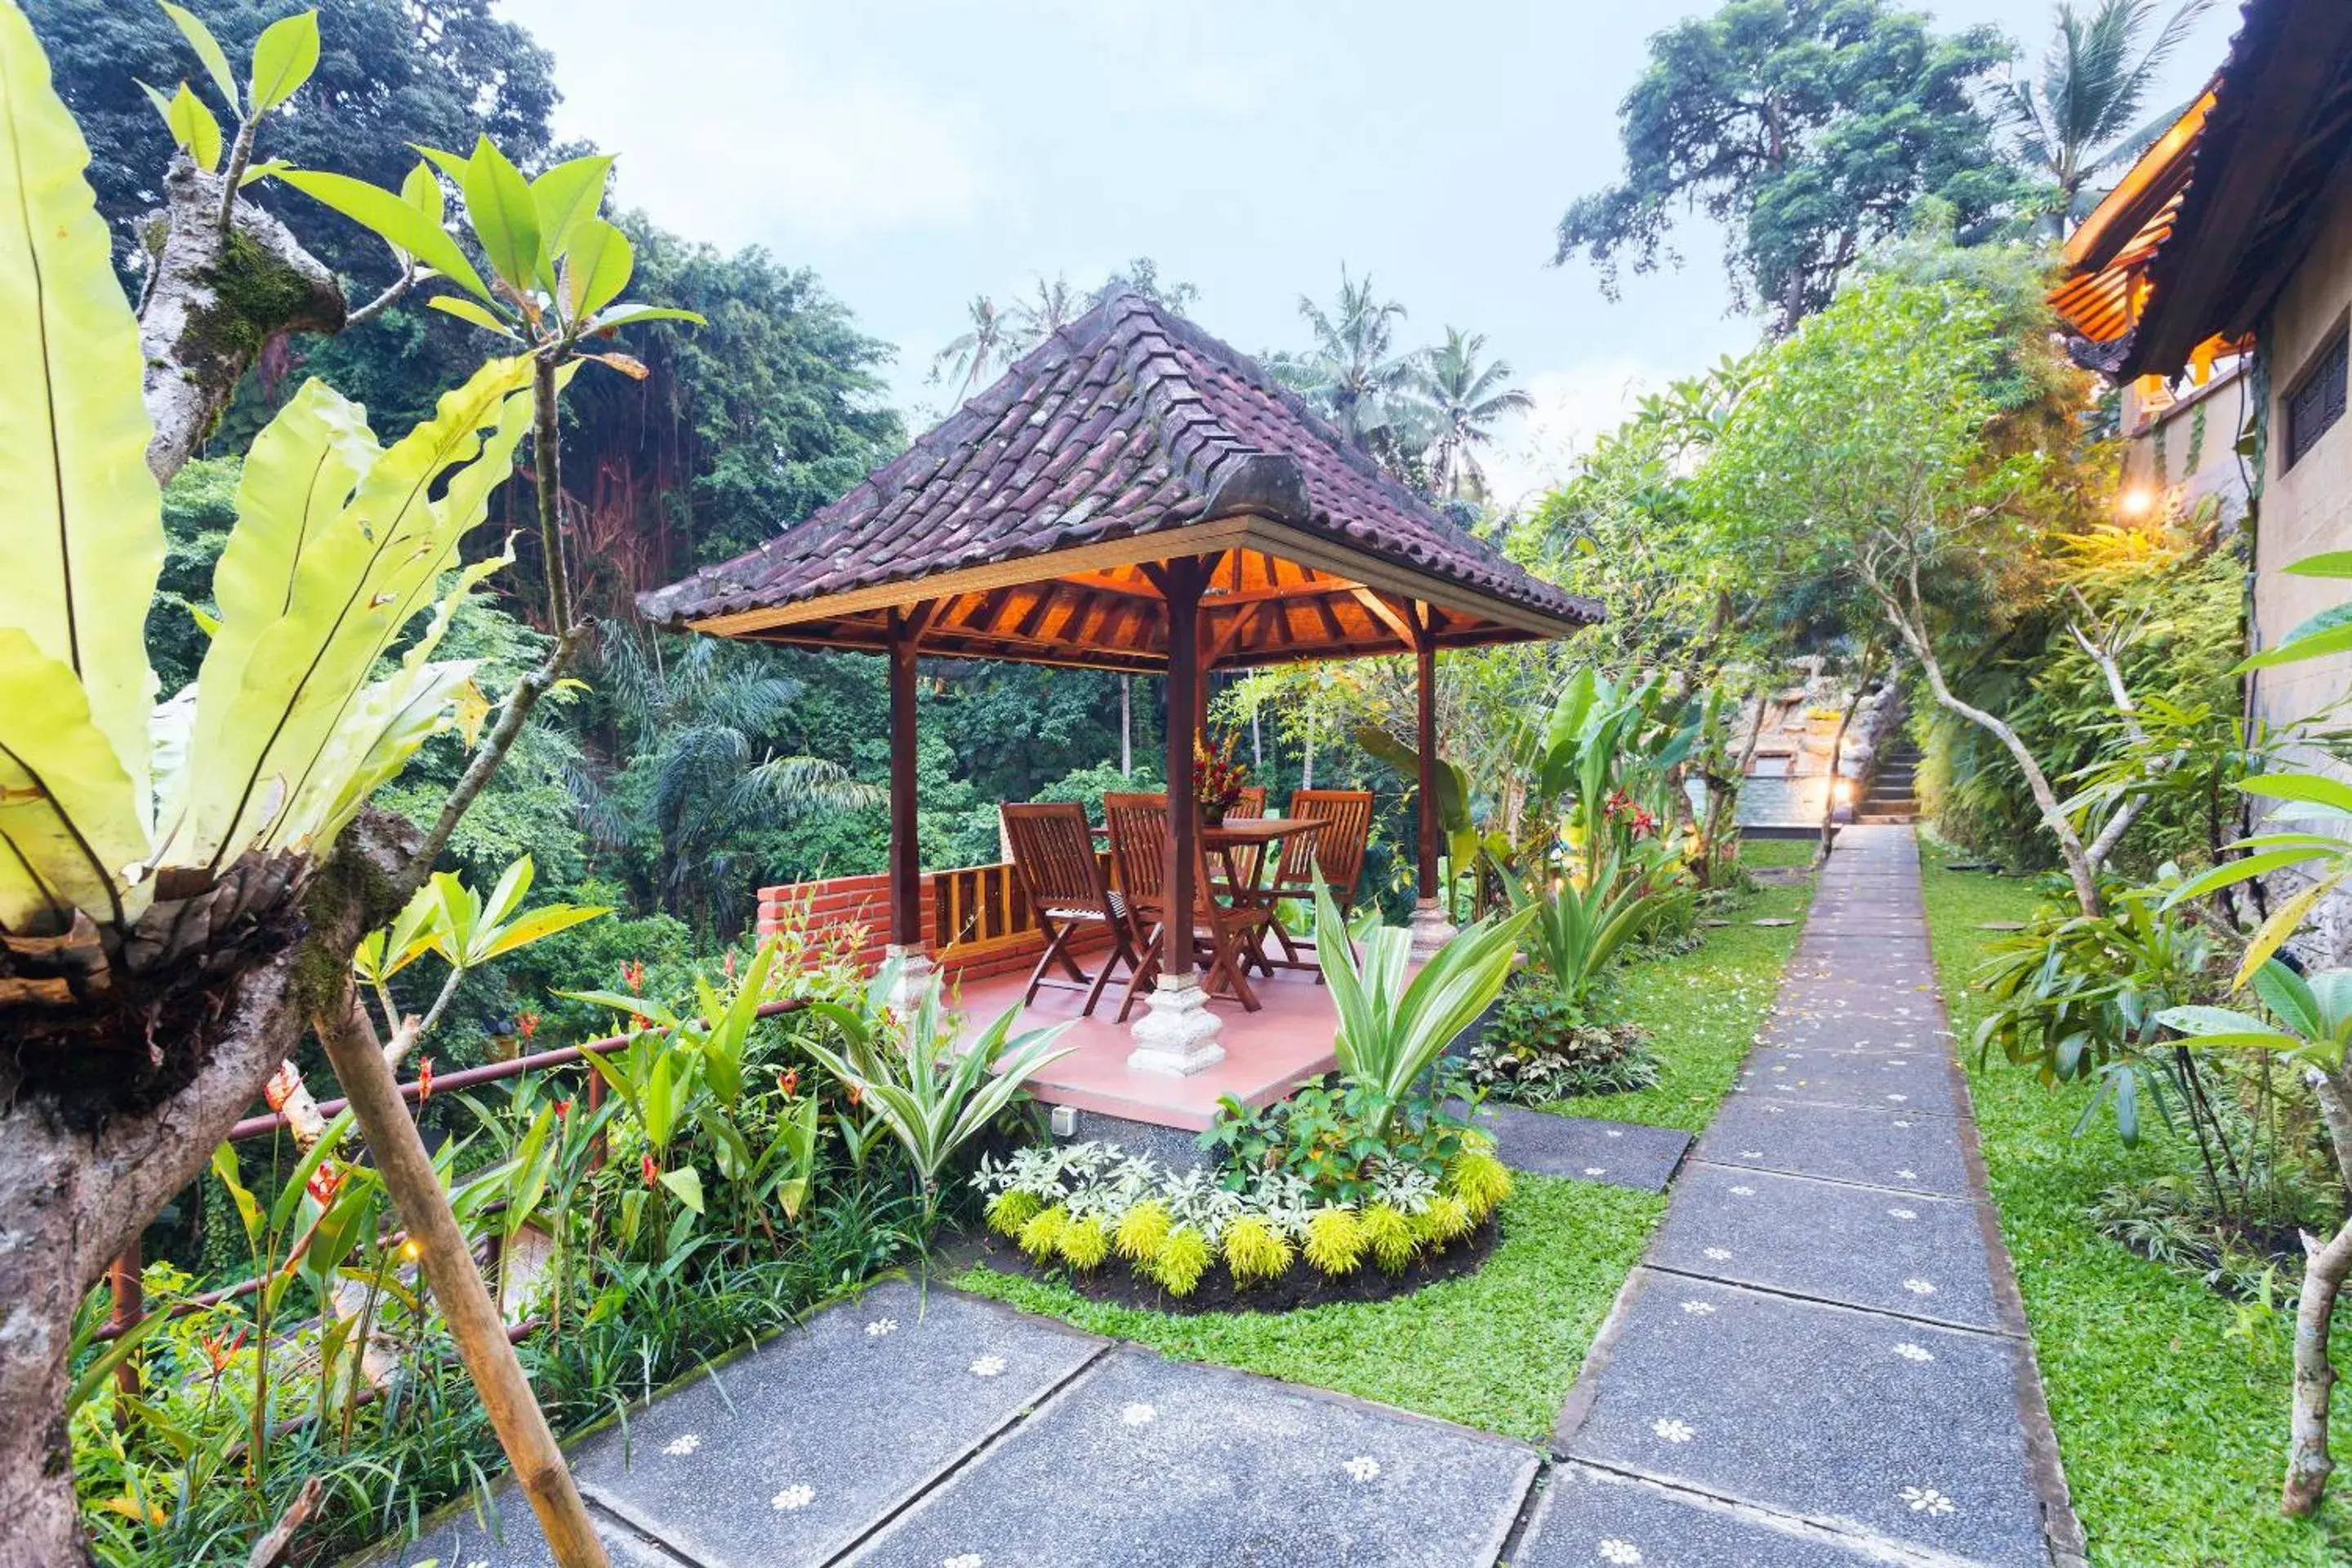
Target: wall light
[{"x": 2135, "y": 501}]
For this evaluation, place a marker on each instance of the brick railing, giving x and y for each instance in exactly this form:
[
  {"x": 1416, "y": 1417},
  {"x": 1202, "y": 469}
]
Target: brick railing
[{"x": 976, "y": 920}]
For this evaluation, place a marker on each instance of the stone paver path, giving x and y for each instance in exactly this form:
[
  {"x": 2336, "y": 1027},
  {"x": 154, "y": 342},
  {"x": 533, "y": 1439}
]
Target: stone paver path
[
  {"x": 1822, "y": 1358},
  {"x": 1819, "y": 1364}
]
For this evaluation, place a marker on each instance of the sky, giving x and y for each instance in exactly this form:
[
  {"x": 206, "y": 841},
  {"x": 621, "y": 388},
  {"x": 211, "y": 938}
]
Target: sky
[{"x": 917, "y": 155}]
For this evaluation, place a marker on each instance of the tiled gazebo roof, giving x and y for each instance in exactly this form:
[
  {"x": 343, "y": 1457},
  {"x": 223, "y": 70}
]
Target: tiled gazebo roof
[{"x": 1028, "y": 523}]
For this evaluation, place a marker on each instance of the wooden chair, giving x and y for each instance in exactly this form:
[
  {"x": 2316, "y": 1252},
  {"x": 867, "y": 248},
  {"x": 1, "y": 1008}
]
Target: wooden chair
[
  {"x": 1053, "y": 856},
  {"x": 1332, "y": 856},
  {"x": 1247, "y": 864},
  {"x": 1222, "y": 935}
]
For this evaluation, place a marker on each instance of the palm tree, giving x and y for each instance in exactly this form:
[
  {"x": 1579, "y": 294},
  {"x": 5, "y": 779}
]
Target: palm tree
[
  {"x": 708, "y": 774},
  {"x": 972, "y": 355},
  {"x": 2082, "y": 117},
  {"x": 1466, "y": 399},
  {"x": 1054, "y": 305},
  {"x": 1354, "y": 374}
]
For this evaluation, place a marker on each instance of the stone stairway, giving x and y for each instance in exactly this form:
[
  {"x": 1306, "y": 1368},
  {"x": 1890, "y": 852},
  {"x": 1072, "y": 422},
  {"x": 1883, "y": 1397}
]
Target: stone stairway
[{"x": 1890, "y": 799}]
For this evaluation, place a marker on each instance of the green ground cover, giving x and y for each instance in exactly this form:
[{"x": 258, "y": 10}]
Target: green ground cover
[
  {"x": 1499, "y": 1349},
  {"x": 2170, "y": 1402}
]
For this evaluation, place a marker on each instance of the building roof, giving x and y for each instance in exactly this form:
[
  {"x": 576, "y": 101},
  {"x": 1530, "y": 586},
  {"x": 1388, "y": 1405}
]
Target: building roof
[
  {"x": 2196, "y": 240},
  {"x": 1028, "y": 519}
]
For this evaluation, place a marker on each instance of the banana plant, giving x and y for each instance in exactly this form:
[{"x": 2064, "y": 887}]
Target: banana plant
[
  {"x": 1393, "y": 1028},
  {"x": 934, "y": 1099},
  {"x": 1455, "y": 828}
]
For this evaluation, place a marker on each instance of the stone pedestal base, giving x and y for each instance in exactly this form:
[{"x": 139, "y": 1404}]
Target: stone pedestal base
[
  {"x": 915, "y": 971},
  {"x": 1177, "y": 1033},
  {"x": 1431, "y": 929}
]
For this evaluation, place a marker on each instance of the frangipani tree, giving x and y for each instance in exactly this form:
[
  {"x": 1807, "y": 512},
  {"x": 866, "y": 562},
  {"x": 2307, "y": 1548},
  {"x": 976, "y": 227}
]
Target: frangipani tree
[{"x": 183, "y": 884}]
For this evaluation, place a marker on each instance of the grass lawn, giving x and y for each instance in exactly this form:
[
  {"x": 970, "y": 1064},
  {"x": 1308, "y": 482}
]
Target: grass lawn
[
  {"x": 1758, "y": 853},
  {"x": 2171, "y": 1417},
  {"x": 1499, "y": 1349}
]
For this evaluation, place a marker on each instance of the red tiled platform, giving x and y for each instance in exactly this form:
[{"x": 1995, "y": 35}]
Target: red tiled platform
[{"x": 1267, "y": 1053}]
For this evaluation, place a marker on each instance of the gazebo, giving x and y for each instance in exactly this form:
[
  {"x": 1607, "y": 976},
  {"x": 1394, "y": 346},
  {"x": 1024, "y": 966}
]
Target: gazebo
[{"x": 1135, "y": 496}]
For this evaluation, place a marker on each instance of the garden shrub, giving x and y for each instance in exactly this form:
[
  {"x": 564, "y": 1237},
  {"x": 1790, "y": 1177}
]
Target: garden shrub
[{"x": 1538, "y": 1047}]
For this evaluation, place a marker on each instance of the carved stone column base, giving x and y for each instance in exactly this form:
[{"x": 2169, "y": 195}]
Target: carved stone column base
[
  {"x": 915, "y": 971},
  {"x": 1177, "y": 1033},
  {"x": 1431, "y": 929}
]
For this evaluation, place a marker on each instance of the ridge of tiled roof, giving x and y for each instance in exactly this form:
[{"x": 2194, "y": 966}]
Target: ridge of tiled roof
[{"x": 1129, "y": 421}]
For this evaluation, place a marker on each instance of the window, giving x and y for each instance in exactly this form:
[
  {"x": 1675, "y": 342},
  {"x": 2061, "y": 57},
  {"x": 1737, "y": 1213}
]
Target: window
[{"x": 2315, "y": 401}]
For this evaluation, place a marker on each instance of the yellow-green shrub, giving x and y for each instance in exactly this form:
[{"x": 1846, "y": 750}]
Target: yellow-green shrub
[
  {"x": 1085, "y": 1242},
  {"x": 1140, "y": 1231},
  {"x": 1480, "y": 1181},
  {"x": 1445, "y": 1219},
  {"x": 1388, "y": 1233},
  {"x": 1335, "y": 1240},
  {"x": 1041, "y": 1237},
  {"x": 1182, "y": 1258},
  {"x": 1008, "y": 1211},
  {"x": 1254, "y": 1250}
]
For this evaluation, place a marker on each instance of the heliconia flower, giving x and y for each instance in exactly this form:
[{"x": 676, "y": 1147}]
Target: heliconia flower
[
  {"x": 527, "y": 1024},
  {"x": 424, "y": 1080},
  {"x": 324, "y": 1182},
  {"x": 788, "y": 1081},
  {"x": 632, "y": 975},
  {"x": 562, "y": 1109},
  {"x": 652, "y": 1171}
]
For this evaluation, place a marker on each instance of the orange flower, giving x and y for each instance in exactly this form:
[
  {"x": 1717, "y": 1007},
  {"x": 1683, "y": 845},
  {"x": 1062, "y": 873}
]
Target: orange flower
[
  {"x": 788, "y": 1081},
  {"x": 652, "y": 1172},
  {"x": 324, "y": 1183},
  {"x": 527, "y": 1024},
  {"x": 562, "y": 1109},
  {"x": 632, "y": 975},
  {"x": 730, "y": 965},
  {"x": 424, "y": 1080}
]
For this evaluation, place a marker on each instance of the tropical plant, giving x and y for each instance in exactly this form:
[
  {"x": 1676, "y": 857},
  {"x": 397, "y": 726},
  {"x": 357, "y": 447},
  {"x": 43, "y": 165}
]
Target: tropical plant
[
  {"x": 973, "y": 354},
  {"x": 1354, "y": 374},
  {"x": 2313, "y": 1029},
  {"x": 1393, "y": 1028},
  {"x": 1052, "y": 306},
  {"x": 935, "y": 1095},
  {"x": 2080, "y": 118},
  {"x": 1535, "y": 1048},
  {"x": 1467, "y": 399},
  {"x": 1581, "y": 918}
]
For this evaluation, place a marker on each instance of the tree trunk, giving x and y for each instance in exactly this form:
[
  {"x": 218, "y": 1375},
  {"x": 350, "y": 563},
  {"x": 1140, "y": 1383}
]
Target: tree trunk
[
  {"x": 361, "y": 1065},
  {"x": 73, "y": 1195},
  {"x": 2325, "y": 1269},
  {"x": 1837, "y": 750}
]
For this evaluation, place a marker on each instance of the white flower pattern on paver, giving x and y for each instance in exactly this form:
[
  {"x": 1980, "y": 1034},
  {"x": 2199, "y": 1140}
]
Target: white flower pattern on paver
[
  {"x": 880, "y": 1326},
  {"x": 1899, "y": 1099},
  {"x": 1743, "y": 1191},
  {"x": 1362, "y": 1468},
  {"x": 1908, "y": 1175},
  {"x": 1904, "y": 1214},
  {"x": 1902, "y": 1124},
  {"x": 964, "y": 1560},
  {"x": 1139, "y": 1414},
  {"x": 1910, "y": 1351},
  {"x": 1719, "y": 1254},
  {"x": 1918, "y": 1287},
  {"x": 1596, "y": 1170},
  {"x": 678, "y": 1448},
  {"x": 1928, "y": 1501},
  {"x": 1751, "y": 1153},
  {"x": 1612, "y": 1133},
  {"x": 988, "y": 1366},
  {"x": 792, "y": 1497},
  {"x": 1699, "y": 1309},
  {"x": 1623, "y": 1553},
  {"x": 1674, "y": 1431}
]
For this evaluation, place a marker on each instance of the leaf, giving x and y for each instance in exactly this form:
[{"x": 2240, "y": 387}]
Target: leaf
[
  {"x": 474, "y": 312},
  {"x": 420, "y": 190},
  {"x": 95, "y": 1376},
  {"x": 596, "y": 267},
  {"x": 67, "y": 815},
  {"x": 627, "y": 315},
  {"x": 398, "y": 224},
  {"x": 2282, "y": 924},
  {"x": 2319, "y": 645},
  {"x": 2326, "y": 563},
  {"x": 208, "y": 50},
  {"x": 283, "y": 58},
  {"x": 83, "y": 539},
  {"x": 2314, "y": 789},
  {"x": 194, "y": 127},
  {"x": 505, "y": 216},
  {"x": 567, "y": 196}
]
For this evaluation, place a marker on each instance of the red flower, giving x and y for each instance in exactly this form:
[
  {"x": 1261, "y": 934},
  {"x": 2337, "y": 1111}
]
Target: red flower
[
  {"x": 788, "y": 1081},
  {"x": 324, "y": 1182},
  {"x": 219, "y": 1353},
  {"x": 652, "y": 1171},
  {"x": 632, "y": 975},
  {"x": 424, "y": 1080},
  {"x": 562, "y": 1109},
  {"x": 855, "y": 1094},
  {"x": 527, "y": 1024}
]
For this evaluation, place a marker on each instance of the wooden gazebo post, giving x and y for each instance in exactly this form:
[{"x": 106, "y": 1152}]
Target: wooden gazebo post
[
  {"x": 1431, "y": 927},
  {"x": 905, "y": 945},
  {"x": 1177, "y": 1032}
]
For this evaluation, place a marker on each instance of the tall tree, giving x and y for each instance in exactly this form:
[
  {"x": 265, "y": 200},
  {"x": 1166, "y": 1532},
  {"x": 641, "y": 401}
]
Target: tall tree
[
  {"x": 1053, "y": 306},
  {"x": 1141, "y": 276},
  {"x": 1806, "y": 127},
  {"x": 981, "y": 348},
  {"x": 1354, "y": 375},
  {"x": 1466, "y": 397},
  {"x": 2080, "y": 116}
]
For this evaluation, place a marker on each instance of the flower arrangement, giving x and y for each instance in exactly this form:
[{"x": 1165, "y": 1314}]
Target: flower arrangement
[
  {"x": 1083, "y": 1203},
  {"x": 1218, "y": 779}
]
